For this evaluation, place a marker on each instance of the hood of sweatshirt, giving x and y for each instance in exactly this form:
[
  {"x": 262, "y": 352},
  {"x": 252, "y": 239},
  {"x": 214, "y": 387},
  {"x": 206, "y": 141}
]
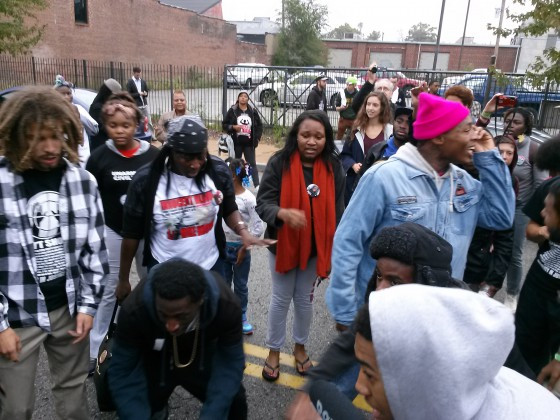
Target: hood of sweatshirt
[
  {"x": 440, "y": 352},
  {"x": 144, "y": 147}
]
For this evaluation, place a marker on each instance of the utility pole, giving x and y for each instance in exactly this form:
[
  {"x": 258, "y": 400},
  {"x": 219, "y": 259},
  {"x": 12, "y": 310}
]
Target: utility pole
[
  {"x": 464, "y": 33},
  {"x": 497, "y": 47},
  {"x": 439, "y": 34}
]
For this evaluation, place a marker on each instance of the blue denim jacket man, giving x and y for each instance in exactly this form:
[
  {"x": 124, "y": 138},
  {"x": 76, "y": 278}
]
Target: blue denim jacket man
[{"x": 419, "y": 184}]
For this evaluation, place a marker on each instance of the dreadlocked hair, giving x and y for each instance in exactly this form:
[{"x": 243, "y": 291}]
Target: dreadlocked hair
[
  {"x": 26, "y": 113},
  {"x": 123, "y": 99}
]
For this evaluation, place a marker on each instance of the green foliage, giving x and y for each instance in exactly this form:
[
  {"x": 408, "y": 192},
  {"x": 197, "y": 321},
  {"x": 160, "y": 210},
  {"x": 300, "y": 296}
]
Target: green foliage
[
  {"x": 543, "y": 17},
  {"x": 374, "y": 36},
  {"x": 421, "y": 32},
  {"x": 339, "y": 31},
  {"x": 18, "y": 33},
  {"x": 299, "y": 43}
]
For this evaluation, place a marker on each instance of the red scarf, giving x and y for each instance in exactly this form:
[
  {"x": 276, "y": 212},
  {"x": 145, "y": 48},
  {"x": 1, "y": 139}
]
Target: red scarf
[{"x": 294, "y": 246}]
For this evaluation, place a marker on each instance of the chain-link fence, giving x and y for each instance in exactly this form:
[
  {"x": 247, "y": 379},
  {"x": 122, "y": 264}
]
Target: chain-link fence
[{"x": 278, "y": 93}]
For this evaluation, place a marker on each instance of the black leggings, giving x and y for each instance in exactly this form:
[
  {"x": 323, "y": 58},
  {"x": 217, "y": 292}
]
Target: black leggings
[{"x": 249, "y": 151}]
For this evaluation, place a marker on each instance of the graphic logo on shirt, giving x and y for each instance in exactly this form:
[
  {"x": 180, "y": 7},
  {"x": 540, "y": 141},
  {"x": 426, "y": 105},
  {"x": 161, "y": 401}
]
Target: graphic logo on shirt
[
  {"x": 245, "y": 122},
  {"x": 122, "y": 175},
  {"x": 189, "y": 216},
  {"x": 520, "y": 160},
  {"x": 44, "y": 218},
  {"x": 42, "y": 211}
]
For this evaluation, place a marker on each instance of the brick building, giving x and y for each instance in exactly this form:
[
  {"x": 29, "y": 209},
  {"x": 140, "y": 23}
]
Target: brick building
[
  {"x": 142, "y": 31},
  {"x": 416, "y": 55}
]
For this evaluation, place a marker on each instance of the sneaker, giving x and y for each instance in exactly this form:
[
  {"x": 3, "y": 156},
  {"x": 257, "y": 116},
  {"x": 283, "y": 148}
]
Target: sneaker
[
  {"x": 511, "y": 302},
  {"x": 247, "y": 328}
]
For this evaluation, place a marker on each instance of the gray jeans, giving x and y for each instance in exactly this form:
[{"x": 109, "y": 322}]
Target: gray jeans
[
  {"x": 296, "y": 285},
  {"x": 105, "y": 310},
  {"x": 515, "y": 271}
]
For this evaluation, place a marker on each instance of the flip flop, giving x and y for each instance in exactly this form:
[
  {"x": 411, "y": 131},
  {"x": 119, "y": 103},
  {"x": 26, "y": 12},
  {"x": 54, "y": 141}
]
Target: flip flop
[
  {"x": 268, "y": 376},
  {"x": 300, "y": 366}
]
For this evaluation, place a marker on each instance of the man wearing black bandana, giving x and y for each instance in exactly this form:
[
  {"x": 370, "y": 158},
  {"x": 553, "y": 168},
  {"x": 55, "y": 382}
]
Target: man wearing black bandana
[{"x": 177, "y": 203}]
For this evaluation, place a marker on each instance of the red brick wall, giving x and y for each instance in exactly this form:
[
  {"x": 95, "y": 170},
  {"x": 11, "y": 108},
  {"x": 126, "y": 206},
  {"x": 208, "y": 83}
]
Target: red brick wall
[
  {"x": 136, "y": 31},
  {"x": 474, "y": 56},
  {"x": 215, "y": 11}
]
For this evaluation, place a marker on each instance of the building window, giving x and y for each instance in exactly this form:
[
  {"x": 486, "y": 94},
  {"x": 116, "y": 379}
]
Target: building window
[
  {"x": 551, "y": 41},
  {"x": 80, "y": 11}
]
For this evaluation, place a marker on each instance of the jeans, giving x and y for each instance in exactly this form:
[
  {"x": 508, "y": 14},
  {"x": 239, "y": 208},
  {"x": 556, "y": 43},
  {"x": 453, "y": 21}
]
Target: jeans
[
  {"x": 239, "y": 274},
  {"x": 249, "y": 151},
  {"x": 296, "y": 285},
  {"x": 105, "y": 310},
  {"x": 515, "y": 271}
]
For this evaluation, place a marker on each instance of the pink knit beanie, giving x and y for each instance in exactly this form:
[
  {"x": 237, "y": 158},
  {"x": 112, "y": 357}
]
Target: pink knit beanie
[{"x": 436, "y": 116}]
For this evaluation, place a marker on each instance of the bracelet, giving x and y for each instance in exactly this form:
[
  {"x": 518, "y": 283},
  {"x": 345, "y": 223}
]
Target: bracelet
[
  {"x": 557, "y": 357},
  {"x": 486, "y": 115},
  {"x": 240, "y": 226}
]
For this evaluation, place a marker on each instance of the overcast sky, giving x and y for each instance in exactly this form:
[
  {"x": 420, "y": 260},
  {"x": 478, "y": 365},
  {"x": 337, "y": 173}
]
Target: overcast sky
[{"x": 392, "y": 17}]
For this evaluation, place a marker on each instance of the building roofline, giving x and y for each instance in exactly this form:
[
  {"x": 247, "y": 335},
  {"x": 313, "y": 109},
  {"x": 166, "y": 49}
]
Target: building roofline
[{"x": 365, "y": 41}]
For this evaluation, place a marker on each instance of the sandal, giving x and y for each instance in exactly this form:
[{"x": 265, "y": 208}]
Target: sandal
[
  {"x": 300, "y": 366},
  {"x": 275, "y": 372}
]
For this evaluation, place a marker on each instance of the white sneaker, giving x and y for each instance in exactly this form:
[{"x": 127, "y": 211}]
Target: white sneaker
[{"x": 511, "y": 302}]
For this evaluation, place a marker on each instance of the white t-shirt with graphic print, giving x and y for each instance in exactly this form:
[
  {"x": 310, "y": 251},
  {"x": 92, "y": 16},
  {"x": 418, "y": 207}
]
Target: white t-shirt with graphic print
[{"x": 184, "y": 221}]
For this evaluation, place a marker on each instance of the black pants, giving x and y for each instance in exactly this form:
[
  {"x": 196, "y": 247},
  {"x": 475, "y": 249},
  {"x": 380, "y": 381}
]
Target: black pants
[
  {"x": 195, "y": 384},
  {"x": 537, "y": 322},
  {"x": 249, "y": 152}
]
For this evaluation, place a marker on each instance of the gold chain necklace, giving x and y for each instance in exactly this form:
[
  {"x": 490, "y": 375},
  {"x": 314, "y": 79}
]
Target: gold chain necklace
[{"x": 193, "y": 354}]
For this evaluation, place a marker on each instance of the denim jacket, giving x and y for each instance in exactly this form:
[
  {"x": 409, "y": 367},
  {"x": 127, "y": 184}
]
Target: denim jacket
[{"x": 407, "y": 189}]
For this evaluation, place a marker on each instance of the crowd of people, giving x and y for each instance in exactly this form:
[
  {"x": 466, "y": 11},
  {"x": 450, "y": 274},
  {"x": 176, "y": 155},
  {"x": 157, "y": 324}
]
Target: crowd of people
[{"x": 415, "y": 225}]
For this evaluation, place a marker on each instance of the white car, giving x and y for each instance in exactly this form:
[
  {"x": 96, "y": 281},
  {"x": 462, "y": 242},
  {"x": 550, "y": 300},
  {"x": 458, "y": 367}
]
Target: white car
[
  {"x": 248, "y": 75},
  {"x": 454, "y": 80},
  {"x": 298, "y": 88}
]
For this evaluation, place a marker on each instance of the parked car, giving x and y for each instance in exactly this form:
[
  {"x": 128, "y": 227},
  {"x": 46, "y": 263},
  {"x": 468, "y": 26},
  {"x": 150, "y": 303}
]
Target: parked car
[
  {"x": 84, "y": 98},
  {"x": 298, "y": 87},
  {"x": 509, "y": 85},
  {"x": 455, "y": 79},
  {"x": 248, "y": 75}
]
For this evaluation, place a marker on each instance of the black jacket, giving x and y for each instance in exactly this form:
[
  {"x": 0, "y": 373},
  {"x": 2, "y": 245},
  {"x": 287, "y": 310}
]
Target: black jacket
[
  {"x": 143, "y": 351},
  {"x": 268, "y": 197},
  {"x": 139, "y": 206},
  {"x": 231, "y": 119},
  {"x": 317, "y": 99},
  {"x": 131, "y": 88}
]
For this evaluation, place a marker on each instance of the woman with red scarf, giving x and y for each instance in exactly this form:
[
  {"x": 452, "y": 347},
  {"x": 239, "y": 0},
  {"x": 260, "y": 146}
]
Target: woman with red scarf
[{"x": 301, "y": 198}]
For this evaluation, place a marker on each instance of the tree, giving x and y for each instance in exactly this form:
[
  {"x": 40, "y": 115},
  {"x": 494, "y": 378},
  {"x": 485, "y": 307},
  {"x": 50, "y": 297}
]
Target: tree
[
  {"x": 543, "y": 18},
  {"x": 339, "y": 31},
  {"x": 374, "y": 36},
  {"x": 18, "y": 32},
  {"x": 421, "y": 32},
  {"x": 299, "y": 42}
]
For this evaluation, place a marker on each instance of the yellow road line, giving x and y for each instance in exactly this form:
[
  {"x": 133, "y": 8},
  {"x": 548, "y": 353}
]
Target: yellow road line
[
  {"x": 262, "y": 353},
  {"x": 285, "y": 379}
]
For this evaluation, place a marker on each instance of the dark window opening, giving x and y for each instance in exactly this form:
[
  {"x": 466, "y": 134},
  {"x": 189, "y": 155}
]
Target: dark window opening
[{"x": 80, "y": 11}]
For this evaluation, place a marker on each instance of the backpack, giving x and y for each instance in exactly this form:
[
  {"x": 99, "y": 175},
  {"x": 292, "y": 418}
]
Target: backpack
[{"x": 225, "y": 145}]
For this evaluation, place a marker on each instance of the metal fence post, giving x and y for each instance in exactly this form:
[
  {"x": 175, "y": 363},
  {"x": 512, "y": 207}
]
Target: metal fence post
[
  {"x": 542, "y": 109},
  {"x": 224, "y": 92},
  {"x": 112, "y": 69},
  {"x": 84, "y": 65},
  {"x": 76, "y": 70},
  {"x": 171, "y": 84},
  {"x": 285, "y": 94},
  {"x": 33, "y": 70}
]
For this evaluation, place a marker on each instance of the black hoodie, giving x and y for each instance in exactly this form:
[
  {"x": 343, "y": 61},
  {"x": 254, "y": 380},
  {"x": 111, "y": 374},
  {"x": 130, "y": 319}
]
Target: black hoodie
[
  {"x": 317, "y": 99},
  {"x": 143, "y": 351}
]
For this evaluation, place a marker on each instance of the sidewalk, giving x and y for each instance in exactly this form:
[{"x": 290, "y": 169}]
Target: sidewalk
[{"x": 263, "y": 152}]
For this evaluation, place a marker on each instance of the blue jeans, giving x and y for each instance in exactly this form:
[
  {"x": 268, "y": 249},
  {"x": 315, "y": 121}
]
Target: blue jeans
[
  {"x": 239, "y": 274},
  {"x": 515, "y": 272}
]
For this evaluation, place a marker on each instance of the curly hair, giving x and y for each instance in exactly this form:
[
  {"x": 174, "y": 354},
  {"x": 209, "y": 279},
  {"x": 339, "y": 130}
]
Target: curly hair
[
  {"x": 527, "y": 117},
  {"x": 548, "y": 155},
  {"x": 329, "y": 153},
  {"x": 384, "y": 115},
  {"x": 463, "y": 93},
  {"x": 124, "y": 100},
  {"x": 24, "y": 115}
]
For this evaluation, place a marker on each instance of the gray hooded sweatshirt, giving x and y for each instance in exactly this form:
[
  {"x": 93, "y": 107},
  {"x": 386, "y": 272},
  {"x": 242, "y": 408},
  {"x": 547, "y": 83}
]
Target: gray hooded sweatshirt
[{"x": 441, "y": 354}]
